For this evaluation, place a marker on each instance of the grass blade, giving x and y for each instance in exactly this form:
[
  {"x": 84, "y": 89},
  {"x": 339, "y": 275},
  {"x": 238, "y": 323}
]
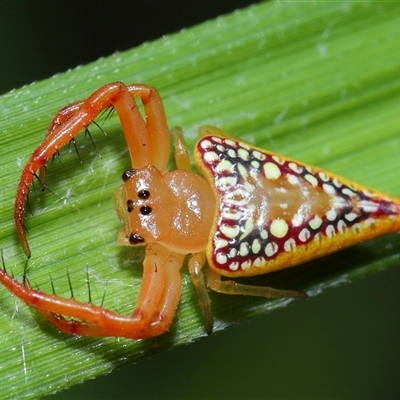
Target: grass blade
[{"x": 319, "y": 83}]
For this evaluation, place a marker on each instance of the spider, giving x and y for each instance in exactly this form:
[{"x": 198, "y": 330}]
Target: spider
[{"x": 251, "y": 212}]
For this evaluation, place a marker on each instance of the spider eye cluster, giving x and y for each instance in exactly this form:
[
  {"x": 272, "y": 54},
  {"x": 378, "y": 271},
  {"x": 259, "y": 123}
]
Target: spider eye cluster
[
  {"x": 135, "y": 238},
  {"x": 128, "y": 174},
  {"x": 144, "y": 210},
  {"x": 130, "y": 205},
  {"x": 143, "y": 194}
]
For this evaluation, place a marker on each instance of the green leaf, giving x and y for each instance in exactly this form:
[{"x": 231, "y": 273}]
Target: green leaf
[{"x": 316, "y": 82}]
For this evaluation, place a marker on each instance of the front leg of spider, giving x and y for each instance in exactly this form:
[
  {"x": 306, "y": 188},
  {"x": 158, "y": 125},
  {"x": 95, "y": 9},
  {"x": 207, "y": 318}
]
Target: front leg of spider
[
  {"x": 154, "y": 311},
  {"x": 159, "y": 293},
  {"x": 145, "y": 138}
]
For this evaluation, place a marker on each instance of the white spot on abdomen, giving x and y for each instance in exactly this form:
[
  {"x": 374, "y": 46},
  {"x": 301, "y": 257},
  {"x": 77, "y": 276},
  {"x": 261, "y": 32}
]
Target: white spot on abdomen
[{"x": 279, "y": 228}]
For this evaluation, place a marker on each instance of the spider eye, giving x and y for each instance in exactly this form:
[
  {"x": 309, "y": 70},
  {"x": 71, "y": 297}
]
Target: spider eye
[
  {"x": 143, "y": 194},
  {"x": 135, "y": 238},
  {"x": 145, "y": 210},
  {"x": 128, "y": 174},
  {"x": 130, "y": 206}
]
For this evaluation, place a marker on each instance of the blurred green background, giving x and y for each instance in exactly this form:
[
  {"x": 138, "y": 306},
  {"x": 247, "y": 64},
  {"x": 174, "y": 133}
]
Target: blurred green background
[{"x": 343, "y": 344}]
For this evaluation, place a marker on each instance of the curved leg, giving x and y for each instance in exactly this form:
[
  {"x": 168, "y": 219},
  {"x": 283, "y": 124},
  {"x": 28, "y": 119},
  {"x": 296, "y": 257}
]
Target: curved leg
[
  {"x": 196, "y": 263},
  {"x": 181, "y": 154},
  {"x": 157, "y": 128},
  {"x": 154, "y": 311},
  {"x": 165, "y": 312},
  {"x": 215, "y": 283},
  {"x": 63, "y": 115},
  {"x": 148, "y": 141}
]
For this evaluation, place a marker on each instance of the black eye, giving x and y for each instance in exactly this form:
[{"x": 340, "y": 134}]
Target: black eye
[
  {"x": 135, "y": 238},
  {"x": 129, "y": 204},
  {"x": 145, "y": 210},
  {"x": 143, "y": 194},
  {"x": 128, "y": 174}
]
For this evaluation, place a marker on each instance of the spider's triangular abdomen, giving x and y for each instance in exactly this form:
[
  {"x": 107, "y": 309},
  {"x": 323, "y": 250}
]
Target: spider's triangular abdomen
[{"x": 273, "y": 212}]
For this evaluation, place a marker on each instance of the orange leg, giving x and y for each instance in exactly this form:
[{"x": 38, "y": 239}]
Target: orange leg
[
  {"x": 195, "y": 265},
  {"x": 182, "y": 159},
  {"x": 155, "y": 309},
  {"x": 165, "y": 312},
  {"x": 147, "y": 140},
  {"x": 215, "y": 283}
]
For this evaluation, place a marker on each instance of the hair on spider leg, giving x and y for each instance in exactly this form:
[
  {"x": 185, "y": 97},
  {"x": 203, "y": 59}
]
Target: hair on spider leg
[
  {"x": 25, "y": 280},
  {"x": 87, "y": 133},
  {"x": 100, "y": 128},
  {"x": 28, "y": 206},
  {"x": 2, "y": 261},
  {"x": 116, "y": 310},
  {"x": 43, "y": 187},
  {"x": 56, "y": 154},
  {"x": 42, "y": 182},
  {"x": 52, "y": 285},
  {"x": 70, "y": 285},
  {"x": 43, "y": 169},
  {"x": 11, "y": 273},
  {"x": 88, "y": 286},
  {"x": 24, "y": 276},
  {"x": 109, "y": 112},
  {"x": 25, "y": 229},
  {"x": 104, "y": 296},
  {"x": 73, "y": 141}
]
